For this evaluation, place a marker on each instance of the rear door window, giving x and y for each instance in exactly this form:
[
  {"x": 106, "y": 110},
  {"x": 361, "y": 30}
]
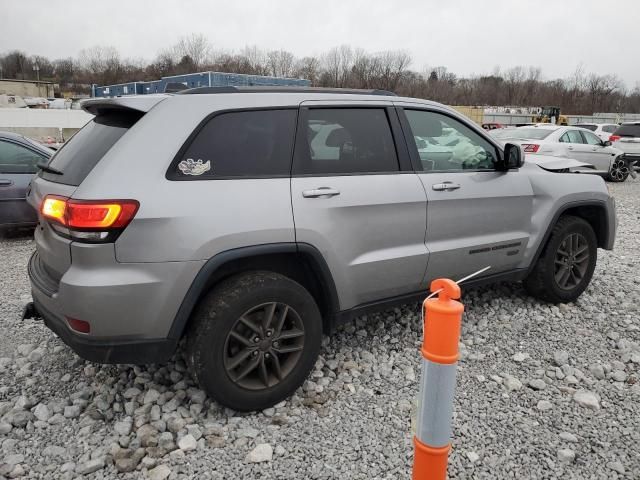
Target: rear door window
[
  {"x": 15, "y": 158},
  {"x": 572, "y": 136},
  {"x": 87, "y": 147},
  {"x": 339, "y": 141},
  {"x": 245, "y": 144}
]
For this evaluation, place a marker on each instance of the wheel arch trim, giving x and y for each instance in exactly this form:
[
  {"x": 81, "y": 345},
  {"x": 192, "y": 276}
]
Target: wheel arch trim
[
  {"x": 201, "y": 281},
  {"x": 606, "y": 224}
]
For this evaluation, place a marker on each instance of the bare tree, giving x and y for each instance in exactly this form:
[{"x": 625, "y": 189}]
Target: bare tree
[
  {"x": 337, "y": 63},
  {"x": 196, "y": 47},
  {"x": 280, "y": 63}
]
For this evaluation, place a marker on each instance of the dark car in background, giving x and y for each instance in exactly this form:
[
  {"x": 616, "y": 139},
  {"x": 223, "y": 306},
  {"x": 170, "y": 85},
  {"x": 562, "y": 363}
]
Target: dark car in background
[{"x": 19, "y": 158}]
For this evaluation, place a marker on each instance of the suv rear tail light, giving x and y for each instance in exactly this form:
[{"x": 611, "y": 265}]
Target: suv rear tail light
[
  {"x": 88, "y": 220},
  {"x": 613, "y": 138},
  {"x": 530, "y": 147}
]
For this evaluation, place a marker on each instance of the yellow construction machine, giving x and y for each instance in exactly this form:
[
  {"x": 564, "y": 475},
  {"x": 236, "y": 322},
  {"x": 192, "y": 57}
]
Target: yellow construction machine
[{"x": 550, "y": 115}]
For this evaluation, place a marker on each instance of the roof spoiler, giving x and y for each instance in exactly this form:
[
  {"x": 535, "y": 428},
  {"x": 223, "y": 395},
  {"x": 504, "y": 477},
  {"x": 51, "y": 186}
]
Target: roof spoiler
[{"x": 139, "y": 103}]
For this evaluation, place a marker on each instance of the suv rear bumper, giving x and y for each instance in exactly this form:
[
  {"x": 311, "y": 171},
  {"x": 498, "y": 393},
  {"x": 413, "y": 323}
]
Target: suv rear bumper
[
  {"x": 104, "y": 350},
  {"x": 130, "y": 307}
]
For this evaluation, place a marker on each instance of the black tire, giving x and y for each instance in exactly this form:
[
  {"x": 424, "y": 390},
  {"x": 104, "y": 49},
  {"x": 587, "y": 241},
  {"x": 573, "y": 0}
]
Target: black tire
[
  {"x": 213, "y": 345},
  {"x": 619, "y": 170},
  {"x": 546, "y": 278}
]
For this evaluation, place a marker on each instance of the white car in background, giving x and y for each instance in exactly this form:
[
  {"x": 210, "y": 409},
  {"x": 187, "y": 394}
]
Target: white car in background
[
  {"x": 602, "y": 130},
  {"x": 569, "y": 142}
]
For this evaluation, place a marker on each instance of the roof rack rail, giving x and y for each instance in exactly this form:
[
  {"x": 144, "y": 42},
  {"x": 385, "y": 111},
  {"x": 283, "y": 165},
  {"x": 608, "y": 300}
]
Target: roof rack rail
[{"x": 266, "y": 89}]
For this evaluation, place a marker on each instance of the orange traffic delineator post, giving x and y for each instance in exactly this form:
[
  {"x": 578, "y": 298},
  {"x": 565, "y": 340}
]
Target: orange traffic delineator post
[{"x": 442, "y": 323}]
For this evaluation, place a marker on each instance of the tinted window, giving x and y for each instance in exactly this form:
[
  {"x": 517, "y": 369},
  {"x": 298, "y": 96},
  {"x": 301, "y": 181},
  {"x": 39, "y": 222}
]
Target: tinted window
[
  {"x": 588, "y": 127},
  {"x": 609, "y": 128},
  {"x": 628, "y": 130},
  {"x": 15, "y": 158},
  {"x": 445, "y": 144},
  {"x": 591, "y": 138},
  {"x": 572, "y": 136},
  {"x": 346, "y": 140},
  {"x": 86, "y": 148},
  {"x": 240, "y": 144}
]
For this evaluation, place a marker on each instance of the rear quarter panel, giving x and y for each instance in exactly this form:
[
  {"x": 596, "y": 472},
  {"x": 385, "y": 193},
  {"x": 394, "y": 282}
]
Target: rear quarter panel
[{"x": 187, "y": 220}]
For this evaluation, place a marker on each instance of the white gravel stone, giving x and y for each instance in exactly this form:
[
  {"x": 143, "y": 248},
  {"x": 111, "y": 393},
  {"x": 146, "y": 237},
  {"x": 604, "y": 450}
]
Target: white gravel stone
[
  {"x": 187, "y": 443},
  {"x": 161, "y": 472},
  {"x": 566, "y": 455},
  {"x": 473, "y": 457},
  {"x": 42, "y": 412},
  {"x": 90, "y": 466},
  {"x": 123, "y": 428},
  {"x": 520, "y": 357},
  {"x": 587, "y": 399},
  {"x": 568, "y": 437},
  {"x": 262, "y": 453},
  {"x": 512, "y": 383},
  {"x": 544, "y": 405},
  {"x": 537, "y": 384},
  {"x": 151, "y": 396},
  {"x": 561, "y": 357}
]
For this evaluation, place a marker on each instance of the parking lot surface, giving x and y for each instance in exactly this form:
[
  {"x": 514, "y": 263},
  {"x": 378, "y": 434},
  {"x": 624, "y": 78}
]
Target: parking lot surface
[{"x": 543, "y": 391}]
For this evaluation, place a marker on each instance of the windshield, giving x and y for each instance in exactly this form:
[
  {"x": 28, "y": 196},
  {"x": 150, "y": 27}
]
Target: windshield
[
  {"x": 587, "y": 126},
  {"x": 522, "y": 133}
]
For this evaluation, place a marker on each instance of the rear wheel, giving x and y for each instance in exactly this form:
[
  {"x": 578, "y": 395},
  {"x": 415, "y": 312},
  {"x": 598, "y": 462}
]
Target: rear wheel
[
  {"x": 619, "y": 170},
  {"x": 254, "y": 339},
  {"x": 565, "y": 267}
]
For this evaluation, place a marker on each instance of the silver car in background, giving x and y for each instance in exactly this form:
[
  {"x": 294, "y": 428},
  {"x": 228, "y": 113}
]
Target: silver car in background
[{"x": 569, "y": 142}]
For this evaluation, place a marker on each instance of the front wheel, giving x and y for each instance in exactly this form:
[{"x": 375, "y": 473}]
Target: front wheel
[
  {"x": 254, "y": 339},
  {"x": 565, "y": 267},
  {"x": 619, "y": 170}
]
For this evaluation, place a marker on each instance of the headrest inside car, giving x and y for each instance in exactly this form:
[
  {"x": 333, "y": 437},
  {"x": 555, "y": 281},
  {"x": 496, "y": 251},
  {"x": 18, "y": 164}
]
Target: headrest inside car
[
  {"x": 338, "y": 137},
  {"x": 426, "y": 126}
]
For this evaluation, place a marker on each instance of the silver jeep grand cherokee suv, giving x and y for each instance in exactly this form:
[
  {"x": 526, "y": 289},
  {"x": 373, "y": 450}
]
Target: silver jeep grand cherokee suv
[{"x": 252, "y": 221}]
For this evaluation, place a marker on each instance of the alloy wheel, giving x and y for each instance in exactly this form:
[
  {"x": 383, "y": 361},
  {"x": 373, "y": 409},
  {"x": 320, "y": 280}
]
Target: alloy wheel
[
  {"x": 619, "y": 170},
  {"x": 571, "y": 261},
  {"x": 264, "y": 346}
]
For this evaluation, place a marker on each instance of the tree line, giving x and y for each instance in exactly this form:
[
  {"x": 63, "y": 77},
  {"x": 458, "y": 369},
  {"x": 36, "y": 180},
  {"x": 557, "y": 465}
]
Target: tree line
[{"x": 341, "y": 66}]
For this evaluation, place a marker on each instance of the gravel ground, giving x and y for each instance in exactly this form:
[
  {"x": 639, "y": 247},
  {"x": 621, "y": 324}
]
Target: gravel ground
[{"x": 543, "y": 392}]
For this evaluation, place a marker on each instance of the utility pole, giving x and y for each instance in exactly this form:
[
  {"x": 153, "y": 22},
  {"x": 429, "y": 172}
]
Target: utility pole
[{"x": 36, "y": 68}]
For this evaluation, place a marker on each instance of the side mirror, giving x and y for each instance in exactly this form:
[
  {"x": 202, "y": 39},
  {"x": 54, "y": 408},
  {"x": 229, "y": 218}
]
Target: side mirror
[
  {"x": 513, "y": 156},
  {"x": 606, "y": 143}
]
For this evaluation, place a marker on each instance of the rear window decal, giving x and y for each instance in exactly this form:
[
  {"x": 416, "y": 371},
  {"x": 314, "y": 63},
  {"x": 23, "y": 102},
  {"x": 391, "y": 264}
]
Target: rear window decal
[{"x": 194, "y": 167}]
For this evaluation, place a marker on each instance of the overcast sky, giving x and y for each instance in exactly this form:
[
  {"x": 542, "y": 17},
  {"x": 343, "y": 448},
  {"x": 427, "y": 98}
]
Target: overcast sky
[{"x": 466, "y": 36}]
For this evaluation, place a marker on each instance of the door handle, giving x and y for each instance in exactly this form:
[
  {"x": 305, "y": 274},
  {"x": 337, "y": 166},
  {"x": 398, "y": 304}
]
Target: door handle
[
  {"x": 5, "y": 183},
  {"x": 327, "y": 192},
  {"x": 445, "y": 186},
  {"x": 569, "y": 148}
]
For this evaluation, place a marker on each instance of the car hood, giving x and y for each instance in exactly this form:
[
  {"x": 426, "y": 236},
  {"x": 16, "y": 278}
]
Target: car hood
[{"x": 555, "y": 163}]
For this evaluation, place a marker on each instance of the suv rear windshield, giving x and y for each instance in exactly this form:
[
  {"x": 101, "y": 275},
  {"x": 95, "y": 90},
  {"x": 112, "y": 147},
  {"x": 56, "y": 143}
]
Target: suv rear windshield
[
  {"x": 85, "y": 149},
  {"x": 628, "y": 130},
  {"x": 587, "y": 126}
]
